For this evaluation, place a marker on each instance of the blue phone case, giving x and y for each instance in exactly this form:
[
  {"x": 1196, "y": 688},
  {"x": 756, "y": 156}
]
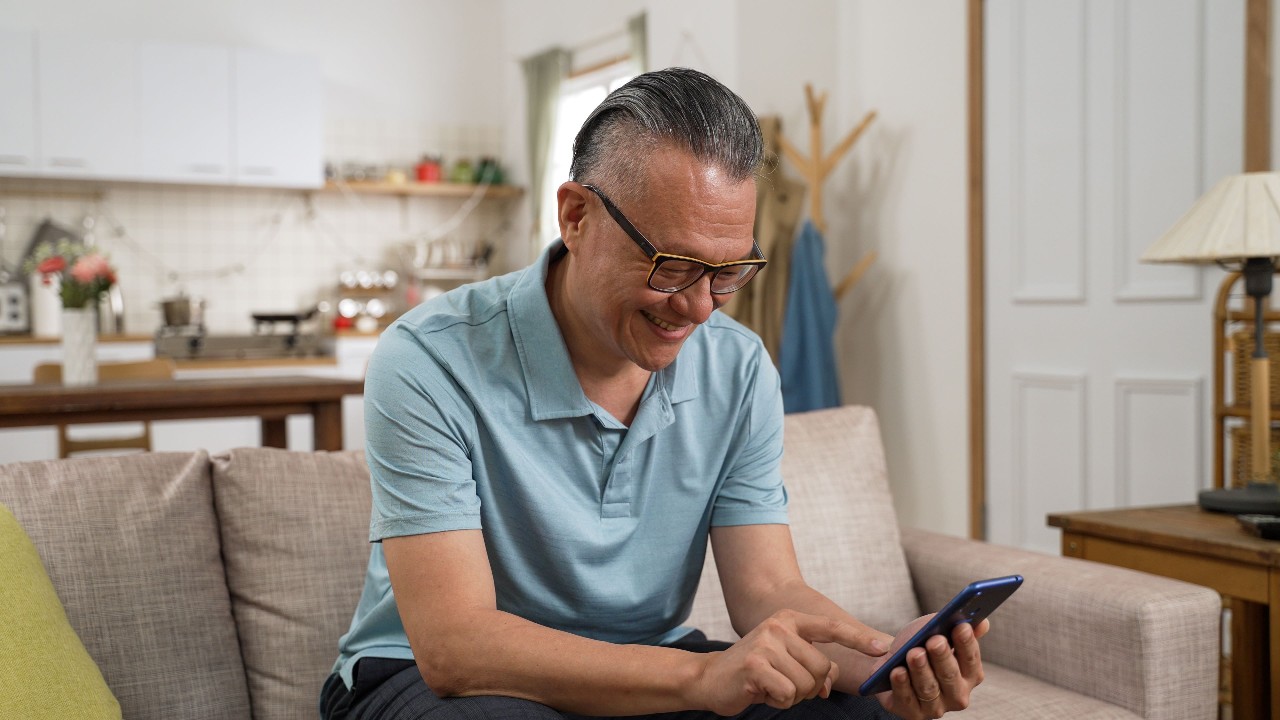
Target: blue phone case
[{"x": 971, "y": 605}]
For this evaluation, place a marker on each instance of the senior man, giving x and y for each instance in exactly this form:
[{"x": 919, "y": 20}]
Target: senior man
[{"x": 550, "y": 450}]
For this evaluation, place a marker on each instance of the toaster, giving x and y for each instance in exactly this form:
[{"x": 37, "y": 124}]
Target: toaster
[{"x": 14, "y": 317}]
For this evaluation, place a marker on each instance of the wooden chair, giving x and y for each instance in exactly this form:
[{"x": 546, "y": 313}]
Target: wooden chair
[{"x": 157, "y": 369}]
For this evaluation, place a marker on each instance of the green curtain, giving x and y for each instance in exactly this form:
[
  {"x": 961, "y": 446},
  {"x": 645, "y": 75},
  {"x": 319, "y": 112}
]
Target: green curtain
[
  {"x": 542, "y": 75},
  {"x": 638, "y": 33}
]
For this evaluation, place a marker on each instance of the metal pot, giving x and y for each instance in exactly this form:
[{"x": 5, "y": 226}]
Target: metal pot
[{"x": 182, "y": 310}]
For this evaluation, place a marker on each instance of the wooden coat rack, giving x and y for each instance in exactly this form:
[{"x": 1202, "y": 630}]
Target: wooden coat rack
[{"x": 815, "y": 168}]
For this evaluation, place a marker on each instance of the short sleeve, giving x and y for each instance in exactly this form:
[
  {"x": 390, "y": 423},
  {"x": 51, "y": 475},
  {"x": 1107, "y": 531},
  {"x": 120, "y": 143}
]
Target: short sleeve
[
  {"x": 753, "y": 492},
  {"x": 419, "y": 428}
]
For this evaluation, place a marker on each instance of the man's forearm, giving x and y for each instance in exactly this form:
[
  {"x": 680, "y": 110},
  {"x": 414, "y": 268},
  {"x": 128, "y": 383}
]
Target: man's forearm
[
  {"x": 464, "y": 645},
  {"x": 490, "y": 652}
]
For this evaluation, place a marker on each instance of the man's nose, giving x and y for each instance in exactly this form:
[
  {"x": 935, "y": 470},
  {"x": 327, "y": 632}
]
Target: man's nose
[{"x": 695, "y": 303}]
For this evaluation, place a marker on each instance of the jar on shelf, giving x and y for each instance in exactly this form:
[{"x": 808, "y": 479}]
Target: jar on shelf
[
  {"x": 462, "y": 172},
  {"x": 428, "y": 169},
  {"x": 489, "y": 171}
]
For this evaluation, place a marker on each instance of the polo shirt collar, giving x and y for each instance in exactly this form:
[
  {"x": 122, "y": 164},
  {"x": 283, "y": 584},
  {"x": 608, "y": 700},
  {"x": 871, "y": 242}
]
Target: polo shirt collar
[
  {"x": 679, "y": 379},
  {"x": 553, "y": 387},
  {"x": 554, "y": 390}
]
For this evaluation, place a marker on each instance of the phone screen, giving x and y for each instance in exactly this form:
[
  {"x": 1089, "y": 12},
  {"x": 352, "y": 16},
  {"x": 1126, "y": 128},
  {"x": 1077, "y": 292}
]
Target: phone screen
[{"x": 971, "y": 605}]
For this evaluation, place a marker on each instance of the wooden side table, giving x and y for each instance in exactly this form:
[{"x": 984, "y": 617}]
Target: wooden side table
[{"x": 1186, "y": 543}]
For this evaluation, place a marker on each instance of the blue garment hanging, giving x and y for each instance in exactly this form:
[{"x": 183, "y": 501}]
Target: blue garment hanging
[{"x": 807, "y": 354}]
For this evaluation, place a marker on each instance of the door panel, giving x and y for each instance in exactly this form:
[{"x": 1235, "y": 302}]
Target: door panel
[{"x": 1105, "y": 120}]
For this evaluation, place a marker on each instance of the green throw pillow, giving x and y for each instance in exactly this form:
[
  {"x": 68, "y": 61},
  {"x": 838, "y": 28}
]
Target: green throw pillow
[{"x": 45, "y": 671}]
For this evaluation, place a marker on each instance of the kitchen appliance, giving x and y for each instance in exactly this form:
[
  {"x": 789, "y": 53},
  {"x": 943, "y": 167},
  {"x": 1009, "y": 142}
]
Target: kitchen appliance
[
  {"x": 111, "y": 312},
  {"x": 13, "y": 304},
  {"x": 265, "y": 323},
  {"x": 198, "y": 345},
  {"x": 13, "y": 290},
  {"x": 190, "y": 341},
  {"x": 181, "y": 311}
]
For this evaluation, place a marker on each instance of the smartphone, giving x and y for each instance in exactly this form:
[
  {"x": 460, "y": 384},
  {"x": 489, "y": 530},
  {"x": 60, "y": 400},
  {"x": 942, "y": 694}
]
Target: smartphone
[{"x": 971, "y": 605}]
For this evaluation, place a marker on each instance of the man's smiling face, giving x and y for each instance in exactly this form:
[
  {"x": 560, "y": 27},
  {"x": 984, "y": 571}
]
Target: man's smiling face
[{"x": 686, "y": 208}]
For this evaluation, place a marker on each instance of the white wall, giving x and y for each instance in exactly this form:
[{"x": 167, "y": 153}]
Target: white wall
[
  {"x": 902, "y": 336},
  {"x": 772, "y": 74},
  {"x": 903, "y": 333}
]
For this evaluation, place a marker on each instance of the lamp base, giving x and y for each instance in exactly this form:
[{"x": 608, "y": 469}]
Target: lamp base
[{"x": 1253, "y": 499}]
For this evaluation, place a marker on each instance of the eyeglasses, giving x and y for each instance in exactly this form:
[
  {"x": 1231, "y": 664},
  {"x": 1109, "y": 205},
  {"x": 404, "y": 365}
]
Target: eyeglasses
[{"x": 673, "y": 273}]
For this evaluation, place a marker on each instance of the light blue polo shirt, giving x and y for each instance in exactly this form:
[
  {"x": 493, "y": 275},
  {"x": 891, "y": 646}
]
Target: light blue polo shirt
[{"x": 475, "y": 420}]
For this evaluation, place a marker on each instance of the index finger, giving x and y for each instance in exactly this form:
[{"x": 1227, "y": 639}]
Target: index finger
[{"x": 819, "y": 628}]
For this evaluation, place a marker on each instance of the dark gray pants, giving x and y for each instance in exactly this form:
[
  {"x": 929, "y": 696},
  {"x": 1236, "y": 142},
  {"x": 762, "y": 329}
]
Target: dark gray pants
[{"x": 394, "y": 690}]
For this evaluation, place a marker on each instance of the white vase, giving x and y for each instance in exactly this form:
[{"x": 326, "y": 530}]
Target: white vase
[
  {"x": 79, "y": 336},
  {"x": 46, "y": 306}
]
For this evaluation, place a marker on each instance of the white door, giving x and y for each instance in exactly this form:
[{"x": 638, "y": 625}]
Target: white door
[{"x": 1105, "y": 121}]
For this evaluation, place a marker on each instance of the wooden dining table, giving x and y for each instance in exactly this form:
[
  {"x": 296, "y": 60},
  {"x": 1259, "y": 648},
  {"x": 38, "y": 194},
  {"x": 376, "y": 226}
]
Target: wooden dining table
[{"x": 272, "y": 399}]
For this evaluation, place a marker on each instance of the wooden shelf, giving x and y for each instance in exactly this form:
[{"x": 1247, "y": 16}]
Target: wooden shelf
[
  {"x": 417, "y": 189},
  {"x": 465, "y": 272}
]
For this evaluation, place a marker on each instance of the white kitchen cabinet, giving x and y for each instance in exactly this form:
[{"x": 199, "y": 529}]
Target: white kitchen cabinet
[
  {"x": 81, "y": 106},
  {"x": 87, "y": 105},
  {"x": 185, "y": 109},
  {"x": 18, "y": 107},
  {"x": 277, "y": 137}
]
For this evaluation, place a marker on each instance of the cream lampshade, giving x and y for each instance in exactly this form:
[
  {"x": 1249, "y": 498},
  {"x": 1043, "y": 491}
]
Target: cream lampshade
[{"x": 1237, "y": 225}]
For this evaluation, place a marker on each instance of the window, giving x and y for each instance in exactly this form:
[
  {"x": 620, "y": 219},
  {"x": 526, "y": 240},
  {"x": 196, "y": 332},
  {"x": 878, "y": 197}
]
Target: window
[{"x": 578, "y": 97}]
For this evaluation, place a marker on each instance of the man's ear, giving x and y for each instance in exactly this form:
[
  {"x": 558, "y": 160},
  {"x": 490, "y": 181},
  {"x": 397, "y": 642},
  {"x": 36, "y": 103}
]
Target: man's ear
[{"x": 571, "y": 205}]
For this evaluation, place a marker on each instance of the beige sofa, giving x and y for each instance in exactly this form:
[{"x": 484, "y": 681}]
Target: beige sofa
[{"x": 217, "y": 587}]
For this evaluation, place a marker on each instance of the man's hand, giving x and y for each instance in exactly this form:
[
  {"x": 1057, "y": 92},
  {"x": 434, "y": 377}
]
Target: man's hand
[
  {"x": 937, "y": 678},
  {"x": 777, "y": 664}
]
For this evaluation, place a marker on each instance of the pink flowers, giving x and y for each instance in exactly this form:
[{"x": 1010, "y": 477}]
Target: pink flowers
[
  {"x": 89, "y": 268},
  {"x": 82, "y": 274}
]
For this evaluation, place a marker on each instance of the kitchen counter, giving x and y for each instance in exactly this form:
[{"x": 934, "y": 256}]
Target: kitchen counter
[
  {"x": 13, "y": 342},
  {"x": 32, "y": 340},
  {"x": 233, "y": 363},
  {"x": 135, "y": 337}
]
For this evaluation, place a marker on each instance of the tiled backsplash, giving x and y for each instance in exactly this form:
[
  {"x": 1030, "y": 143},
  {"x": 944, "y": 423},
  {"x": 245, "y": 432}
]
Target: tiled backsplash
[{"x": 247, "y": 249}]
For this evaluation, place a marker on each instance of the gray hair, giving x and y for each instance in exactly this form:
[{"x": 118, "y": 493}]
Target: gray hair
[{"x": 680, "y": 107}]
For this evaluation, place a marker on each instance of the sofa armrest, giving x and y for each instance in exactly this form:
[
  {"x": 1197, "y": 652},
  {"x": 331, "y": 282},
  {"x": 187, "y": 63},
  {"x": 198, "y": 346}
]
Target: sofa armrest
[{"x": 1143, "y": 642}]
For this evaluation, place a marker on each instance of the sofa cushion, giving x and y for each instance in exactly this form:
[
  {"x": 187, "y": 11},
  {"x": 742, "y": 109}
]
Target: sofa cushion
[
  {"x": 131, "y": 546},
  {"x": 44, "y": 670},
  {"x": 842, "y": 521},
  {"x": 295, "y": 530}
]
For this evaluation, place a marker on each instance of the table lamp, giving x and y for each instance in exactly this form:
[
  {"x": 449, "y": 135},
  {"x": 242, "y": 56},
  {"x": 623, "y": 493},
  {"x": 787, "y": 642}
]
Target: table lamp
[{"x": 1237, "y": 225}]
